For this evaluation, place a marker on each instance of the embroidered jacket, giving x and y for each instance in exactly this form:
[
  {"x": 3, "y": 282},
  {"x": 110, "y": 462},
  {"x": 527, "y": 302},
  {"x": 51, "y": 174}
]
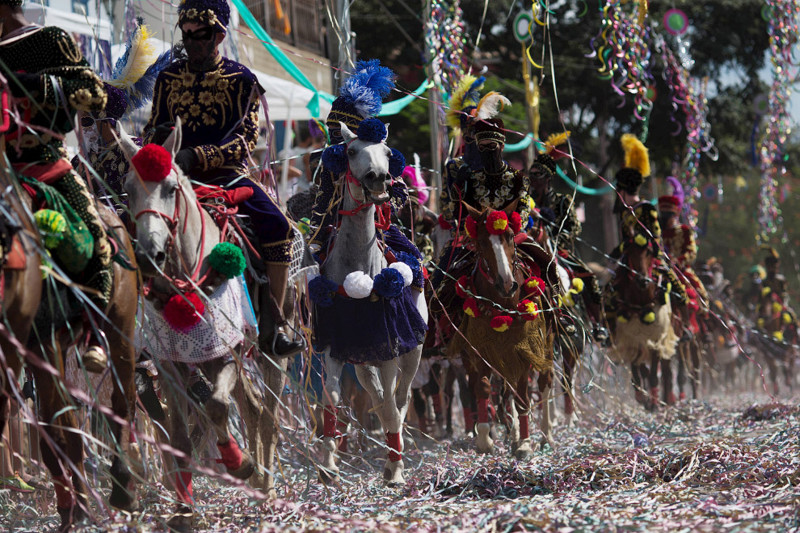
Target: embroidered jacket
[
  {"x": 481, "y": 190},
  {"x": 681, "y": 246},
  {"x": 65, "y": 84},
  {"x": 218, "y": 111}
]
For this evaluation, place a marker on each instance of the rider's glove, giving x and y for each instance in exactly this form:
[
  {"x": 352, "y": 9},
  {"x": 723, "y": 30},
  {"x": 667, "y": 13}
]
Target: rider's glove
[{"x": 187, "y": 160}]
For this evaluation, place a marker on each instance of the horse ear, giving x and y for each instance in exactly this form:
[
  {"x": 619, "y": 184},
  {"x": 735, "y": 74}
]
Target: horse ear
[
  {"x": 129, "y": 148},
  {"x": 347, "y": 135},
  {"x": 471, "y": 211},
  {"x": 510, "y": 208},
  {"x": 387, "y": 133},
  {"x": 173, "y": 142}
]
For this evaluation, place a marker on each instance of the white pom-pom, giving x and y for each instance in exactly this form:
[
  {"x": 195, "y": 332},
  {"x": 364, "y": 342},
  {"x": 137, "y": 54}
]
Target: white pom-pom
[
  {"x": 405, "y": 270},
  {"x": 357, "y": 285}
]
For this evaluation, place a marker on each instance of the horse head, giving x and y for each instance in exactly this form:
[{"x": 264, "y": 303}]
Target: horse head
[
  {"x": 368, "y": 178},
  {"x": 160, "y": 198},
  {"x": 641, "y": 251},
  {"x": 493, "y": 233}
]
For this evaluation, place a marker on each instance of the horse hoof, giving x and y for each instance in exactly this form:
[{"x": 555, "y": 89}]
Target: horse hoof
[
  {"x": 123, "y": 499},
  {"x": 523, "y": 451},
  {"x": 682, "y": 396},
  {"x": 69, "y": 517},
  {"x": 483, "y": 442},
  {"x": 247, "y": 467},
  {"x": 182, "y": 520},
  {"x": 393, "y": 473},
  {"x": 328, "y": 475},
  {"x": 671, "y": 399}
]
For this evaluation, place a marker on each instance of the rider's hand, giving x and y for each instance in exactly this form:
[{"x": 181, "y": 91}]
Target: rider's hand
[
  {"x": 187, "y": 160},
  {"x": 161, "y": 132}
]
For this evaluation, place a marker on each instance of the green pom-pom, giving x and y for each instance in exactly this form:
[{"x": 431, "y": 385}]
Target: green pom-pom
[
  {"x": 227, "y": 259},
  {"x": 52, "y": 225}
]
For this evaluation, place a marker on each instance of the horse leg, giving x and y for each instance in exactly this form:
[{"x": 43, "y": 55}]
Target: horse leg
[
  {"x": 123, "y": 397},
  {"x": 482, "y": 390},
  {"x": 173, "y": 377},
  {"x": 273, "y": 372},
  {"x": 653, "y": 379},
  {"x": 570, "y": 359},
  {"x": 522, "y": 406},
  {"x": 545, "y": 383},
  {"x": 62, "y": 451},
  {"x": 636, "y": 380},
  {"x": 666, "y": 381},
  {"x": 696, "y": 371},
  {"x": 448, "y": 389},
  {"x": 468, "y": 402},
  {"x": 396, "y": 376},
  {"x": 332, "y": 396},
  {"x": 681, "y": 379},
  {"x": 250, "y": 401}
]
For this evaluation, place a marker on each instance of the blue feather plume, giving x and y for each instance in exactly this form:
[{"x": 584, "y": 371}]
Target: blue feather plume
[
  {"x": 473, "y": 94},
  {"x": 142, "y": 90},
  {"x": 368, "y": 86}
]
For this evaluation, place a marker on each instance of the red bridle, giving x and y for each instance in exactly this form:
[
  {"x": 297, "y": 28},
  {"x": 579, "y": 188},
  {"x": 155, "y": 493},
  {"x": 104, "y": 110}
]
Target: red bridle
[{"x": 384, "y": 215}]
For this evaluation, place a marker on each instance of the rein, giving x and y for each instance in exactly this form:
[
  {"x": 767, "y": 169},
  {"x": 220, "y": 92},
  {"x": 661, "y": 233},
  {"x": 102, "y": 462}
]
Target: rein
[
  {"x": 383, "y": 210},
  {"x": 172, "y": 225}
]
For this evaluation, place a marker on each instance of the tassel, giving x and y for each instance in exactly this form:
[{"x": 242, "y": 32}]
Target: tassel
[
  {"x": 483, "y": 410},
  {"x": 395, "y": 446},
  {"x": 524, "y": 429},
  {"x": 329, "y": 421}
]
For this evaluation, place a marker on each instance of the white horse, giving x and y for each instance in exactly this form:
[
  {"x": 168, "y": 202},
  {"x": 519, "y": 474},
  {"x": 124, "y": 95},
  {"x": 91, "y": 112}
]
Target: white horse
[
  {"x": 387, "y": 377},
  {"x": 175, "y": 236}
]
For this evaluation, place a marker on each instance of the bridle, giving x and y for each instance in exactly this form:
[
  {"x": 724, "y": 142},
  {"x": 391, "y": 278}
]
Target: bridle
[
  {"x": 383, "y": 210},
  {"x": 172, "y": 226}
]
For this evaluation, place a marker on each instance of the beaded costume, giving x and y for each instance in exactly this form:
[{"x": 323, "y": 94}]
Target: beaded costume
[{"x": 51, "y": 80}]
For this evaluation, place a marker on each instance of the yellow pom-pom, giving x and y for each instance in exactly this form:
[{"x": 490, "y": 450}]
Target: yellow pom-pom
[
  {"x": 669, "y": 287},
  {"x": 469, "y": 311},
  {"x": 640, "y": 240},
  {"x": 760, "y": 322},
  {"x": 531, "y": 204},
  {"x": 500, "y": 224},
  {"x": 778, "y": 336},
  {"x": 577, "y": 284},
  {"x": 649, "y": 318},
  {"x": 777, "y": 307},
  {"x": 765, "y": 291},
  {"x": 621, "y": 319},
  {"x": 787, "y": 318}
]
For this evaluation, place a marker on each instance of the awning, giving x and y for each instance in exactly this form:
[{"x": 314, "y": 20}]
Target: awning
[{"x": 68, "y": 21}]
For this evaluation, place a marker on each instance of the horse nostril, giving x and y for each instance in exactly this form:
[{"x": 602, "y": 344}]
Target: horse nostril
[{"x": 159, "y": 258}]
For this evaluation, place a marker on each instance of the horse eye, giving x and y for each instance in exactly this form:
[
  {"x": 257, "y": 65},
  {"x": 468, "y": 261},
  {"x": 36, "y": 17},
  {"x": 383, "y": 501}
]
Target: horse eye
[{"x": 351, "y": 151}]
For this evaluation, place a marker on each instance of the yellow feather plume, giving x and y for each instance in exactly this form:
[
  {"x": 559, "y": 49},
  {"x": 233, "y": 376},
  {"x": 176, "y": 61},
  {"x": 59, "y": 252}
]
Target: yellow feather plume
[
  {"x": 142, "y": 55},
  {"x": 555, "y": 140},
  {"x": 635, "y": 154},
  {"x": 457, "y": 102}
]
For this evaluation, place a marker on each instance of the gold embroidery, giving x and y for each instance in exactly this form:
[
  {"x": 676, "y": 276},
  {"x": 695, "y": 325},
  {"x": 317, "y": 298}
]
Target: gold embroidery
[
  {"x": 194, "y": 110},
  {"x": 205, "y": 98},
  {"x": 208, "y": 120},
  {"x": 222, "y": 85},
  {"x": 186, "y": 99}
]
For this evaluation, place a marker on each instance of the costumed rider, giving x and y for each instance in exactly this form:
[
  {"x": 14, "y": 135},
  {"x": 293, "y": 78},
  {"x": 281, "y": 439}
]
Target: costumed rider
[
  {"x": 557, "y": 210},
  {"x": 217, "y": 101},
  {"x": 49, "y": 80},
  {"x": 680, "y": 244},
  {"x": 639, "y": 225},
  {"x": 361, "y": 97},
  {"x": 129, "y": 88},
  {"x": 774, "y": 315}
]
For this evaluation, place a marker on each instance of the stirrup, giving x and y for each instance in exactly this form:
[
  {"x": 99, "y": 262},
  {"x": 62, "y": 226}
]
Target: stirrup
[{"x": 95, "y": 359}]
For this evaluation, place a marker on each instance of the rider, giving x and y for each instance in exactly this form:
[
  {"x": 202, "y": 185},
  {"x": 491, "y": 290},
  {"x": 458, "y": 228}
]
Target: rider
[
  {"x": 565, "y": 226},
  {"x": 637, "y": 217},
  {"x": 50, "y": 80},
  {"x": 217, "y": 101}
]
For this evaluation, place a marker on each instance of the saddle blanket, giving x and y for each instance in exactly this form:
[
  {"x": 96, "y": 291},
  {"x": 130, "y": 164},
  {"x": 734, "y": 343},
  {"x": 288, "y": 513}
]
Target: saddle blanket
[{"x": 228, "y": 328}]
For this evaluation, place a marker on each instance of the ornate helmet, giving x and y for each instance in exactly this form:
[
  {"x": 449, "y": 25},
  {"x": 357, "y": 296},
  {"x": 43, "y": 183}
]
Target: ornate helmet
[
  {"x": 672, "y": 202},
  {"x": 637, "y": 164},
  {"x": 214, "y": 13},
  {"x": 361, "y": 96},
  {"x": 546, "y": 159}
]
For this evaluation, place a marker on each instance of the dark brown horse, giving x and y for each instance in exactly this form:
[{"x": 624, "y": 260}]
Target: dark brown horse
[
  {"x": 643, "y": 337},
  {"x": 512, "y": 348},
  {"x": 59, "y": 330}
]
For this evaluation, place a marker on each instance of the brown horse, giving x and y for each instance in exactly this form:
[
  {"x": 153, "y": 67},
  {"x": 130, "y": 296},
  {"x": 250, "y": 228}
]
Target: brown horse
[
  {"x": 512, "y": 349},
  {"x": 59, "y": 329},
  {"x": 644, "y": 332}
]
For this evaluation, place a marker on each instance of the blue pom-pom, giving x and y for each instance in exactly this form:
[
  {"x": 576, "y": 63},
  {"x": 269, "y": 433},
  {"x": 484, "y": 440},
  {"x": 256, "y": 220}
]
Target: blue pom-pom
[
  {"x": 321, "y": 291},
  {"x": 389, "y": 283},
  {"x": 531, "y": 221},
  {"x": 371, "y": 130},
  {"x": 398, "y": 193},
  {"x": 397, "y": 162},
  {"x": 547, "y": 214},
  {"x": 415, "y": 265},
  {"x": 334, "y": 158}
]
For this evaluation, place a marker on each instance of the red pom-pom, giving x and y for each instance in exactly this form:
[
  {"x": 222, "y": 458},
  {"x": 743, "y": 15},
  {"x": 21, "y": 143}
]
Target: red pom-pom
[
  {"x": 533, "y": 286},
  {"x": 184, "y": 311},
  {"x": 444, "y": 224},
  {"x": 471, "y": 226},
  {"x": 461, "y": 286},
  {"x": 528, "y": 309},
  {"x": 516, "y": 222},
  {"x": 470, "y": 307},
  {"x": 153, "y": 162},
  {"x": 497, "y": 222},
  {"x": 501, "y": 323}
]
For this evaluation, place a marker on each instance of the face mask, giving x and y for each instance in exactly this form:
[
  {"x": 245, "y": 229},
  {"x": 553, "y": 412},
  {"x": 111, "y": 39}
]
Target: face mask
[{"x": 200, "y": 46}]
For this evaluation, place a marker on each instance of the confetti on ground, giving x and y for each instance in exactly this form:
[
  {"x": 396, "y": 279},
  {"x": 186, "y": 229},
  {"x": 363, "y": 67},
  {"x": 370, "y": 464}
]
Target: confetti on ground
[{"x": 702, "y": 466}]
